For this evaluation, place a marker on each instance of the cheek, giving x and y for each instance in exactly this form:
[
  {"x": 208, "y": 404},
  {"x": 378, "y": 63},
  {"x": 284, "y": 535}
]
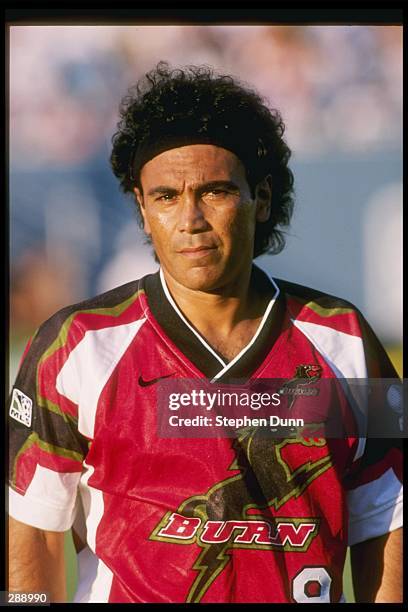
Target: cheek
[
  {"x": 241, "y": 226},
  {"x": 159, "y": 229}
]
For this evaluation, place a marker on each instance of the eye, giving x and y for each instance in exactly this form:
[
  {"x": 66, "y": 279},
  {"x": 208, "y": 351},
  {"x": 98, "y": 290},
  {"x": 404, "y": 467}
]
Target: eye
[
  {"x": 165, "y": 197},
  {"x": 215, "y": 193}
]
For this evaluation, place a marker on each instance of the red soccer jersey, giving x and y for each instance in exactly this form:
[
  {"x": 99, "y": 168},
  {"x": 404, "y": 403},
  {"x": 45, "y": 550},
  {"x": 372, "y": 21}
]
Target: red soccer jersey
[{"x": 249, "y": 519}]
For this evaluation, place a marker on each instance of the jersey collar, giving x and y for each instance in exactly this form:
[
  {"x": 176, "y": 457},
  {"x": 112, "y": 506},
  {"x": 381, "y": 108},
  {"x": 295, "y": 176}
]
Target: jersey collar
[{"x": 196, "y": 349}]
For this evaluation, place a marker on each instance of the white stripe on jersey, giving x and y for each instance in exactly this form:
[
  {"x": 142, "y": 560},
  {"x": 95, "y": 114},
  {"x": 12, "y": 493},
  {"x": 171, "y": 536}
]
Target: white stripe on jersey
[
  {"x": 89, "y": 366},
  {"x": 99, "y": 589},
  {"x": 94, "y": 577},
  {"x": 375, "y": 508},
  {"x": 343, "y": 352},
  {"x": 87, "y": 563},
  {"x": 92, "y": 503},
  {"x": 345, "y": 355},
  {"x": 53, "y": 496}
]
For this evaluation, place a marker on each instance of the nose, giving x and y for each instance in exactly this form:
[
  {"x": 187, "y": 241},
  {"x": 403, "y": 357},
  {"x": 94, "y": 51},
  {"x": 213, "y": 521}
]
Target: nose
[{"x": 191, "y": 217}]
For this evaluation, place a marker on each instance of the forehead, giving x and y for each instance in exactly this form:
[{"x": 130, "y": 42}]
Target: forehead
[{"x": 197, "y": 162}]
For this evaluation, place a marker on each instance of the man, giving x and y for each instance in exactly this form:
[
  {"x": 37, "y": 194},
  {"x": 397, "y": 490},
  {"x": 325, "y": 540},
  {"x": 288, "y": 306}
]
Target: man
[{"x": 206, "y": 520}]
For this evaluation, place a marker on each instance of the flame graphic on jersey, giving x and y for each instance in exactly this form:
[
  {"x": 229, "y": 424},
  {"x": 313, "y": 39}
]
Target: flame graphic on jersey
[{"x": 253, "y": 488}]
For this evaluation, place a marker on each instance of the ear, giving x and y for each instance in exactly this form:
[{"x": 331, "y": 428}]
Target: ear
[
  {"x": 139, "y": 199},
  {"x": 263, "y": 199}
]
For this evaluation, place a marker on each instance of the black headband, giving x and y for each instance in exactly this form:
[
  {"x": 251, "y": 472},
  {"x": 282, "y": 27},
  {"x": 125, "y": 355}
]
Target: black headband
[{"x": 245, "y": 147}]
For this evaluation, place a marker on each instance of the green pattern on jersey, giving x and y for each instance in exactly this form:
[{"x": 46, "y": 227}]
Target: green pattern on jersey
[{"x": 60, "y": 340}]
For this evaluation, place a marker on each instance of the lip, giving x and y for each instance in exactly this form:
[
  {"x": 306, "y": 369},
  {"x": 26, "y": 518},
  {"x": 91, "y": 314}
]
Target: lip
[{"x": 196, "y": 252}]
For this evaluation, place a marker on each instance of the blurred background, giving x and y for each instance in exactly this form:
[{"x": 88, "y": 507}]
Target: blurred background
[{"x": 339, "y": 89}]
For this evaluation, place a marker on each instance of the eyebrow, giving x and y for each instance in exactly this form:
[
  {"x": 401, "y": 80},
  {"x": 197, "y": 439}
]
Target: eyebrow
[
  {"x": 161, "y": 189},
  {"x": 211, "y": 185}
]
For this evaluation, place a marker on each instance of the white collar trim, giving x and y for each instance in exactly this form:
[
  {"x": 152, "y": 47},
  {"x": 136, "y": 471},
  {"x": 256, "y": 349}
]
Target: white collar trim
[{"x": 225, "y": 366}]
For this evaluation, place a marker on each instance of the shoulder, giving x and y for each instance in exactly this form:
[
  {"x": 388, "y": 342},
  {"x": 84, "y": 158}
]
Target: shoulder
[
  {"x": 314, "y": 305},
  {"x": 95, "y": 325},
  {"x": 310, "y": 295},
  {"x": 336, "y": 324},
  {"x": 121, "y": 305}
]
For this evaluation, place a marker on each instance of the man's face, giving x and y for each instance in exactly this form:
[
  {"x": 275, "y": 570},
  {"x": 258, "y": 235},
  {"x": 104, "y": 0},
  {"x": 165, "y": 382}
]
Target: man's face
[{"x": 197, "y": 208}]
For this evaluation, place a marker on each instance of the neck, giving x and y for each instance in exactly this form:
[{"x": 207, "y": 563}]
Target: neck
[
  {"x": 230, "y": 304},
  {"x": 228, "y": 318}
]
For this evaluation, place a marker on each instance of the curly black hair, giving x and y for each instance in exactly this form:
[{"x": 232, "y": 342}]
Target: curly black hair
[{"x": 197, "y": 104}]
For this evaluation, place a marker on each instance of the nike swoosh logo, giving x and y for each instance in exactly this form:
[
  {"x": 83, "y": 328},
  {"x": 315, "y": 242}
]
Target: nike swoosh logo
[{"x": 147, "y": 383}]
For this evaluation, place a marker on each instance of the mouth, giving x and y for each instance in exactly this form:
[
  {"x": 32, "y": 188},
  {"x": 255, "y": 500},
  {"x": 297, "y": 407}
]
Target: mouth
[{"x": 196, "y": 252}]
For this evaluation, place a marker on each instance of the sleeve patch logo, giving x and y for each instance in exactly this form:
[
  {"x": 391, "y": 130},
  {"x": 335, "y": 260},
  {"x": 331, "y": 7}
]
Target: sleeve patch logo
[
  {"x": 21, "y": 408},
  {"x": 394, "y": 398}
]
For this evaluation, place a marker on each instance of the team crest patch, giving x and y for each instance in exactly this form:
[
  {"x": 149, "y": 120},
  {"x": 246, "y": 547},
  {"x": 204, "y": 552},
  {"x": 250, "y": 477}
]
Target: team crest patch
[
  {"x": 21, "y": 408},
  {"x": 300, "y": 384},
  {"x": 310, "y": 371}
]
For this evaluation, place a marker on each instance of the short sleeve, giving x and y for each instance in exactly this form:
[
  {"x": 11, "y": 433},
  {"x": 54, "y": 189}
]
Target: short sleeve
[
  {"x": 374, "y": 483},
  {"x": 374, "y": 491},
  {"x": 46, "y": 450}
]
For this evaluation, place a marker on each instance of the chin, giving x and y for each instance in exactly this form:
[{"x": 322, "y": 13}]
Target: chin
[{"x": 201, "y": 278}]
